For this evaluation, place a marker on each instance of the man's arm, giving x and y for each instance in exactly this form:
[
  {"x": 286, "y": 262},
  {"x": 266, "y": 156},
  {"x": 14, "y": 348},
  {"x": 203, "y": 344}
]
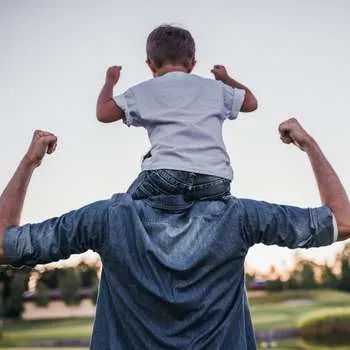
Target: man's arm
[
  {"x": 12, "y": 199},
  {"x": 107, "y": 111},
  {"x": 250, "y": 103},
  {"x": 331, "y": 190}
]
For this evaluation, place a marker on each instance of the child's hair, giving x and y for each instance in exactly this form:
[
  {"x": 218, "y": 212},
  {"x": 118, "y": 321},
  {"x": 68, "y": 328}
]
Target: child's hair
[{"x": 170, "y": 44}]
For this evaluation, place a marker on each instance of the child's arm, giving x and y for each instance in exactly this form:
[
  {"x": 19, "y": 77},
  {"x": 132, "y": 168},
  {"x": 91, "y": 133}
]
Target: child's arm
[
  {"x": 250, "y": 103},
  {"x": 107, "y": 111}
]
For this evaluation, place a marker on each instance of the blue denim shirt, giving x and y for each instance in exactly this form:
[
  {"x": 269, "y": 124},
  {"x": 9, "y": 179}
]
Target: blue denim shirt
[{"x": 173, "y": 271}]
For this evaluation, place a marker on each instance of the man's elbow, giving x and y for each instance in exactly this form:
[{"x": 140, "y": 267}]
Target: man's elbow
[{"x": 343, "y": 230}]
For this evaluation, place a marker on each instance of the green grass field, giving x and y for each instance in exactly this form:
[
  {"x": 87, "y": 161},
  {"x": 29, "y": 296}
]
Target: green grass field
[
  {"x": 283, "y": 309},
  {"x": 269, "y": 311}
]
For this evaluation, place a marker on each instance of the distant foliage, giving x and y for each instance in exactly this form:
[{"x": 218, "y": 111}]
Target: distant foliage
[
  {"x": 307, "y": 274},
  {"x": 69, "y": 281},
  {"x": 13, "y": 285},
  {"x": 344, "y": 282},
  {"x": 88, "y": 273},
  {"x": 327, "y": 326},
  {"x": 42, "y": 298},
  {"x": 303, "y": 276},
  {"x": 275, "y": 285},
  {"x": 94, "y": 294},
  {"x": 50, "y": 278},
  {"x": 329, "y": 279}
]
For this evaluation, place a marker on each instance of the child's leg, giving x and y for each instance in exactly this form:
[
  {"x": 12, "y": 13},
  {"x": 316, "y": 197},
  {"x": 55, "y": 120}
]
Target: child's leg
[
  {"x": 208, "y": 187},
  {"x": 192, "y": 186},
  {"x": 133, "y": 190},
  {"x": 155, "y": 182}
]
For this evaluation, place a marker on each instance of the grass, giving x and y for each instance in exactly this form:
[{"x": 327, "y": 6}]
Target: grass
[
  {"x": 269, "y": 311},
  {"x": 282, "y": 309},
  {"x": 25, "y": 332},
  {"x": 298, "y": 344}
]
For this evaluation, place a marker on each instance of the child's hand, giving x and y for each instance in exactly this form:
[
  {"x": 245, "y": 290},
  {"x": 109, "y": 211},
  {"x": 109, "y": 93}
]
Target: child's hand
[
  {"x": 113, "y": 74},
  {"x": 220, "y": 72}
]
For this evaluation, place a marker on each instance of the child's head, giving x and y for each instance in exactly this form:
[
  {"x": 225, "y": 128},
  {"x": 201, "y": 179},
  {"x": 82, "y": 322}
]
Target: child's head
[{"x": 170, "y": 45}]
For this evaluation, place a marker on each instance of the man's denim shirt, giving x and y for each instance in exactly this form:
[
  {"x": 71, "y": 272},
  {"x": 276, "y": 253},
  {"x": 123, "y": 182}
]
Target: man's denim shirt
[{"x": 173, "y": 272}]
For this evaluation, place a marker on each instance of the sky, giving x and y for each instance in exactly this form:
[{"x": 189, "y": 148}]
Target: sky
[{"x": 294, "y": 56}]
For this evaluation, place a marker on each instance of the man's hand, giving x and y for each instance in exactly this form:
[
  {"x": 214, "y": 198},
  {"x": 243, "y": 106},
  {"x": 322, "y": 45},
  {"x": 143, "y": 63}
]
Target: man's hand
[
  {"x": 220, "y": 73},
  {"x": 43, "y": 142},
  {"x": 113, "y": 74},
  {"x": 292, "y": 132}
]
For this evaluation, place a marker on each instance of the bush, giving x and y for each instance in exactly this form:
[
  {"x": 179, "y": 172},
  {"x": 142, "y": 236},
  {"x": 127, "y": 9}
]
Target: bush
[{"x": 326, "y": 326}]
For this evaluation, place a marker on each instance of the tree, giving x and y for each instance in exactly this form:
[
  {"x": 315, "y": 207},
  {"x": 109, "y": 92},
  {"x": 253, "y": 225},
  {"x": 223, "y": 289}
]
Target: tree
[
  {"x": 88, "y": 275},
  {"x": 13, "y": 303},
  {"x": 275, "y": 285},
  {"x": 292, "y": 283},
  {"x": 50, "y": 278},
  {"x": 69, "y": 281},
  {"x": 42, "y": 298},
  {"x": 329, "y": 279},
  {"x": 344, "y": 283},
  {"x": 307, "y": 275},
  {"x": 249, "y": 279},
  {"x": 94, "y": 294},
  {"x": 14, "y": 283}
]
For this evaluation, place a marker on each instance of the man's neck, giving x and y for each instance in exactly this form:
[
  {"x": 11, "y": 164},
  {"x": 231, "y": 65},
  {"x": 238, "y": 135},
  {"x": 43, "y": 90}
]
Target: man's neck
[{"x": 167, "y": 68}]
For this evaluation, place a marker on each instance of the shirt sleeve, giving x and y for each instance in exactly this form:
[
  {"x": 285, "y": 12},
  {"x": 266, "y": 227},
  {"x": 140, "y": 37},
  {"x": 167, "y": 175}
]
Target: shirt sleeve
[
  {"x": 288, "y": 226},
  {"x": 233, "y": 101},
  {"x": 127, "y": 103},
  {"x": 58, "y": 238}
]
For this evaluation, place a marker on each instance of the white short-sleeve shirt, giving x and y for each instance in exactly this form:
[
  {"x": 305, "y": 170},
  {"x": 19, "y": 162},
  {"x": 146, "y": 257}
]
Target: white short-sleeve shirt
[{"x": 183, "y": 115}]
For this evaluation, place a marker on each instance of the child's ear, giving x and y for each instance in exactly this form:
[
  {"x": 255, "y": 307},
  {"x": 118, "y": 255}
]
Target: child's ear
[
  {"x": 190, "y": 68},
  {"x": 151, "y": 66}
]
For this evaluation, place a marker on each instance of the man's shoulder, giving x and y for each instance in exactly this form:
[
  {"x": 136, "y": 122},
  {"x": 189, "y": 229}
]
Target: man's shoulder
[{"x": 176, "y": 203}]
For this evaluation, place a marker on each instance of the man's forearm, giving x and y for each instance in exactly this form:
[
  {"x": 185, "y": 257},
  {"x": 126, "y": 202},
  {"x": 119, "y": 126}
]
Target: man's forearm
[
  {"x": 331, "y": 189},
  {"x": 12, "y": 199}
]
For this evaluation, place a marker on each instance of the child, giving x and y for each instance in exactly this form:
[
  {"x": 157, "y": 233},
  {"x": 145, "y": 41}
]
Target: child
[{"x": 183, "y": 115}]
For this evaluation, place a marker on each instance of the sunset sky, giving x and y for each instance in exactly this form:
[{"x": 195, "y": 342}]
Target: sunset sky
[{"x": 294, "y": 55}]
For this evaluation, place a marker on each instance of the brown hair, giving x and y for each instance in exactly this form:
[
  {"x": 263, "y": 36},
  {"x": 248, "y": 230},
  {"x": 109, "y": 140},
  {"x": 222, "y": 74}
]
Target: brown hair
[{"x": 170, "y": 44}]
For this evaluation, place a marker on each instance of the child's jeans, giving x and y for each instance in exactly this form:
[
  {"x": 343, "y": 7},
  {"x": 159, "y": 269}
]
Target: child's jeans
[{"x": 192, "y": 186}]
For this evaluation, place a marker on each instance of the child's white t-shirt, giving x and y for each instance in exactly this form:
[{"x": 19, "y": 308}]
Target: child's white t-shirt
[{"x": 183, "y": 115}]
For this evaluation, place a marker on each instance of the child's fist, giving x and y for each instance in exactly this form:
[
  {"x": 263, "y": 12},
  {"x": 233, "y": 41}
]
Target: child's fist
[
  {"x": 113, "y": 74},
  {"x": 220, "y": 72}
]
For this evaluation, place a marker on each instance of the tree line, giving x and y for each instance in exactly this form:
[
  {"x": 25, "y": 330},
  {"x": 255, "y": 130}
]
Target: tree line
[
  {"x": 307, "y": 274},
  {"x": 72, "y": 284}
]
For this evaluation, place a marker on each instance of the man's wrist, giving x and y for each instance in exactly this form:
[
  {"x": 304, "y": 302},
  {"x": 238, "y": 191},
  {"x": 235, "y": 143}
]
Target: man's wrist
[
  {"x": 310, "y": 146},
  {"x": 29, "y": 162}
]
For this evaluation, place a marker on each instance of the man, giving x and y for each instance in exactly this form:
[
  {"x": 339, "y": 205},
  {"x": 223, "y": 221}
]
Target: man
[{"x": 173, "y": 271}]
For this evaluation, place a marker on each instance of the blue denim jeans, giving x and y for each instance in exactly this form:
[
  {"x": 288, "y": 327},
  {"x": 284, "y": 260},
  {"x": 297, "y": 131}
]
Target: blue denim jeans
[{"x": 192, "y": 186}]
